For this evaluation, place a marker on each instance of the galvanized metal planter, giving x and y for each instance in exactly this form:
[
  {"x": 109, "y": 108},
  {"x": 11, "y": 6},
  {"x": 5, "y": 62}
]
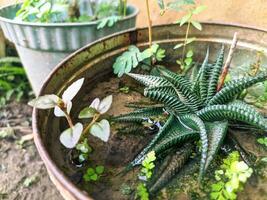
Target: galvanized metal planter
[
  {"x": 42, "y": 46},
  {"x": 94, "y": 62}
]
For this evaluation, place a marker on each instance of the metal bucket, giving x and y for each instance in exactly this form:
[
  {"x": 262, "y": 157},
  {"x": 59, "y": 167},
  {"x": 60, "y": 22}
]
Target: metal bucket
[
  {"x": 94, "y": 62},
  {"x": 41, "y": 46}
]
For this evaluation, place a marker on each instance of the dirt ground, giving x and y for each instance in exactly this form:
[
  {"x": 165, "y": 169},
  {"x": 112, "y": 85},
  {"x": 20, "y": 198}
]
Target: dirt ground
[{"x": 22, "y": 173}]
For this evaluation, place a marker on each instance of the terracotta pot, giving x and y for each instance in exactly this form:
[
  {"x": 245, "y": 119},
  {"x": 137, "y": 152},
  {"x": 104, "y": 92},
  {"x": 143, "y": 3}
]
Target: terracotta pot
[{"x": 94, "y": 63}]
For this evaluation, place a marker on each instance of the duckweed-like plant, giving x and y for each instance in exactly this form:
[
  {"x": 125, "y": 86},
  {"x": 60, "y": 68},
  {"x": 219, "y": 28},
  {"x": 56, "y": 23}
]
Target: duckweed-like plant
[
  {"x": 230, "y": 178},
  {"x": 195, "y": 110}
]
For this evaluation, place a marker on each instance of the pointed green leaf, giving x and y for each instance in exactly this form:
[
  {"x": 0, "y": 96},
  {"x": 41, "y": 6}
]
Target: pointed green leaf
[
  {"x": 88, "y": 112},
  {"x": 197, "y": 25}
]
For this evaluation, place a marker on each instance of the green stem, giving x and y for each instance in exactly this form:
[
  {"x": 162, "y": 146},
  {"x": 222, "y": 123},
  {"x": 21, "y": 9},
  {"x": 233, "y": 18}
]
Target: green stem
[
  {"x": 186, "y": 37},
  {"x": 149, "y": 23},
  {"x": 94, "y": 120},
  {"x": 124, "y": 8}
]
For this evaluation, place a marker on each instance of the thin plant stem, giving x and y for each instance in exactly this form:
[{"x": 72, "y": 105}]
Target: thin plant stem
[
  {"x": 87, "y": 128},
  {"x": 149, "y": 23},
  {"x": 125, "y": 8},
  {"x": 69, "y": 120},
  {"x": 185, "y": 40}
]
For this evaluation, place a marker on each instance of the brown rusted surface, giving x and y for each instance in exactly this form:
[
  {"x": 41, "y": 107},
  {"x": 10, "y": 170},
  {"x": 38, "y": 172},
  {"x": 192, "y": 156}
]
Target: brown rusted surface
[{"x": 94, "y": 62}]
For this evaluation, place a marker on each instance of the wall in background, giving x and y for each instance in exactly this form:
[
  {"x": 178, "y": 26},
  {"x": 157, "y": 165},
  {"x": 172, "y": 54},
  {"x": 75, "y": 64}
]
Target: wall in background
[{"x": 246, "y": 12}]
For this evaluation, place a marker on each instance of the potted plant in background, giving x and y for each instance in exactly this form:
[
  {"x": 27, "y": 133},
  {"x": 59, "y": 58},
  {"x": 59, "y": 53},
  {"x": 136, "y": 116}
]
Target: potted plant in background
[
  {"x": 192, "y": 119},
  {"x": 44, "y": 31}
]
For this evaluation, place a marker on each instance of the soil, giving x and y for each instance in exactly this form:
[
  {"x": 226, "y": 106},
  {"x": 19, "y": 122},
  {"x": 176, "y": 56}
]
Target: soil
[{"x": 22, "y": 173}]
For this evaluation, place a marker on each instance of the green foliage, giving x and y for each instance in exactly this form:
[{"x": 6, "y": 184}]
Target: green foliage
[
  {"x": 187, "y": 63},
  {"x": 146, "y": 174},
  {"x": 92, "y": 174},
  {"x": 29, "y": 181},
  {"x": 41, "y": 11},
  {"x": 231, "y": 177},
  {"x": 57, "y": 11},
  {"x": 133, "y": 57},
  {"x": 141, "y": 192},
  {"x": 263, "y": 141},
  {"x": 84, "y": 149},
  {"x": 148, "y": 165},
  {"x": 13, "y": 81},
  {"x": 125, "y": 89},
  {"x": 190, "y": 116},
  {"x": 108, "y": 21}
]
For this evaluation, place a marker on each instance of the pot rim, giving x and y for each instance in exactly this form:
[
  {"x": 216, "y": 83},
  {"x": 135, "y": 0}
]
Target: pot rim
[
  {"x": 22, "y": 23},
  {"x": 49, "y": 163}
]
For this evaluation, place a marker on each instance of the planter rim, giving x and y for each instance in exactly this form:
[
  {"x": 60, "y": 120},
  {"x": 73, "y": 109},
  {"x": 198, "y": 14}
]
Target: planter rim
[
  {"x": 22, "y": 23},
  {"x": 49, "y": 163}
]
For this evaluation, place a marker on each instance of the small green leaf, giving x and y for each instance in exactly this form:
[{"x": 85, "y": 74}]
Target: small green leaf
[
  {"x": 90, "y": 171},
  {"x": 190, "y": 40},
  {"x": 161, "y": 4},
  {"x": 88, "y": 112},
  {"x": 99, "y": 169},
  {"x": 94, "y": 177},
  {"x": 108, "y": 21},
  {"x": 29, "y": 181},
  {"x": 84, "y": 147},
  {"x": 199, "y": 9},
  {"x": 197, "y": 25},
  {"x": 178, "y": 46},
  {"x": 189, "y": 54},
  {"x": 185, "y": 19},
  {"x": 127, "y": 61},
  {"x": 188, "y": 61}
]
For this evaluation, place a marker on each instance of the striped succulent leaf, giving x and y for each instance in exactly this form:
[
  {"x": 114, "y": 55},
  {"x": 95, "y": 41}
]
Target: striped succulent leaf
[
  {"x": 183, "y": 86},
  {"x": 215, "y": 74},
  {"x": 235, "y": 87},
  {"x": 176, "y": 162},
  {"x": 204, "y": 77},
  {"x": 163, "y": 131},
  {"x": 150, "y": 81},
  {"x": 174, "y": 139},
  {"x": 198, "y": 125},
  {"x": 172, "y": 102},
  {"x": 216, "y": 134},
  {"x": 231, "y": 112},
  {"x": 139, "y": 115}
]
